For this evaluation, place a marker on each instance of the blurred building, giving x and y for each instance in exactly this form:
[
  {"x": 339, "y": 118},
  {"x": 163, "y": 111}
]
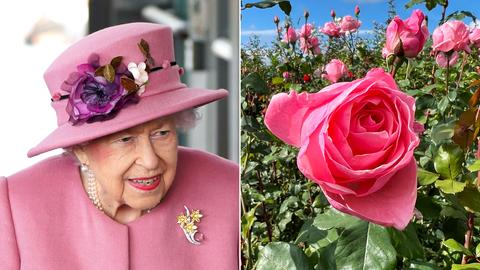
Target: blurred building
[{"x": 206, "y": 44}]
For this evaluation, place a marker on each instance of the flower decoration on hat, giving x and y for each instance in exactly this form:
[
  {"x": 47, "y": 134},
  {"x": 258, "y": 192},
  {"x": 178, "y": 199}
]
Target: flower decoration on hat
[
  {"x": 188, "y": 223},
  {"x": 98, "y": 92}
]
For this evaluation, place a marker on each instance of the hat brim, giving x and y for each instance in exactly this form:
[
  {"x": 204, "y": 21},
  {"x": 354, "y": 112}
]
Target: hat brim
[{"x": 149, "y": 108}]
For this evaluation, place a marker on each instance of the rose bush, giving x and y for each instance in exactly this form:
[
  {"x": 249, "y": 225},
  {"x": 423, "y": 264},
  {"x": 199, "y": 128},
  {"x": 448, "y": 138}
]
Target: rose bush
[
  {"x": 289, "y": 221},
  {"x": 356, "y": 141}
]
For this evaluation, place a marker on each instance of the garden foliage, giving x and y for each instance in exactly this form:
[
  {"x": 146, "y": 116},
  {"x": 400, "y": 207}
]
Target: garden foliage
[{"x": 287, "y": 222}]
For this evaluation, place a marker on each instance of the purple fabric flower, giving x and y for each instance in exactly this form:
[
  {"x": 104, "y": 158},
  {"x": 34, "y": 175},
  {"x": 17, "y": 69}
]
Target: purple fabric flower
[{"x": 93, "y": 98}]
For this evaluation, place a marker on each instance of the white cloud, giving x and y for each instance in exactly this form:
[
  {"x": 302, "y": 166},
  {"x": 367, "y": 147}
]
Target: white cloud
[{"x": 264, "y": 32}]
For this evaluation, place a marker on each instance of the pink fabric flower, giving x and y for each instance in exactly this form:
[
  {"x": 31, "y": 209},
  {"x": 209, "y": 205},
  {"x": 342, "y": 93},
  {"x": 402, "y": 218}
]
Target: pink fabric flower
[
  {"x": 452, "y": 35},
  {"x": 474, "y": 37},
  {"x": 356, "y": 141},
  {"x": 406, "y": 38},
  {"x": 348, "y": 24},
  {"x": 331, "y": 29},
  {"x": 443, "y": 59},
  {"x": 290, "y": 35},
  {"x": 335, "y": 70}
]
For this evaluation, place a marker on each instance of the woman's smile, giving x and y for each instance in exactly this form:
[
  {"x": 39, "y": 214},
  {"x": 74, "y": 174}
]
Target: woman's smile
[{"x": 145, "y": 183}]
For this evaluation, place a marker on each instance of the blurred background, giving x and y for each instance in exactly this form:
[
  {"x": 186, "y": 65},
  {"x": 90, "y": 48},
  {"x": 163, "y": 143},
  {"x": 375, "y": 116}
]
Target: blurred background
[{"x": 34, "y": 33}]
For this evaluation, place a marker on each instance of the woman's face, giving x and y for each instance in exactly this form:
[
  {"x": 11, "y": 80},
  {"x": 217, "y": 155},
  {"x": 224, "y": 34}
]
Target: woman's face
[{"x": 133, "y": 168}]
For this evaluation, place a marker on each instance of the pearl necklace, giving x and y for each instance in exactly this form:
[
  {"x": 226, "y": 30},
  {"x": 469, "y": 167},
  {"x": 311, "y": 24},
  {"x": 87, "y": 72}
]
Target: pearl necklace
[{"x": 92, "y": 189}]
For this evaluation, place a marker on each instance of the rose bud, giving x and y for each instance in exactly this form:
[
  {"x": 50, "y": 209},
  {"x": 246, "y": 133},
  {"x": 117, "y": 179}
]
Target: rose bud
[
  {"x": 357, "y": 10},
  {"x": 306, "y": 14},
  {"x": 406, "y": 38},
  {"x": 306, "y": 78},
  {"x": 332, "y": 14},
  {"x": 276, "y": 20}
]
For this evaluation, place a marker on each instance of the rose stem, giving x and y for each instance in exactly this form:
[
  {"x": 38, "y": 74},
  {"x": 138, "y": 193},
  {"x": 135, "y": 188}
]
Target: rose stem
[
  {"x": 464, "y": 61},
  {"x": 468, "y": 235},
  {"x": 265, "y": 214}
]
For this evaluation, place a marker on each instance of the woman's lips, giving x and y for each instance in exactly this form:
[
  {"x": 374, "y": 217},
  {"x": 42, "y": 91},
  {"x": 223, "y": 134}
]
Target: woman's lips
[{"x": 145, "y": 183}]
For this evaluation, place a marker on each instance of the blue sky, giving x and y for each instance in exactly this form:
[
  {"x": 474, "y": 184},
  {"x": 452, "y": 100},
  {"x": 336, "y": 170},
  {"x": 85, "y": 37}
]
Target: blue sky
[{"x": 260, "y": 21}]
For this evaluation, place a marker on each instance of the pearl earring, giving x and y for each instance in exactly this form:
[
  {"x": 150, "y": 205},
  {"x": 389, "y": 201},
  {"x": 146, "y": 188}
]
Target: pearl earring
[{"x": 91, "y": 186}]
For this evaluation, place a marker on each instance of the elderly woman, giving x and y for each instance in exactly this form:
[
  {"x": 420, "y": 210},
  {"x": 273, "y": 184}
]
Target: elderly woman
[{"x": 124, "y": 195}]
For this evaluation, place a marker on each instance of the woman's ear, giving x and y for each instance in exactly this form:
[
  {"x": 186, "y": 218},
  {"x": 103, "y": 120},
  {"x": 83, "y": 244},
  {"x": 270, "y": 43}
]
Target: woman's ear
[{"x": 79, "y": 152}]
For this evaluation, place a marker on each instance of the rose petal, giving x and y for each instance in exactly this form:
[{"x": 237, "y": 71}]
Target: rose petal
[{"x": 391, "y": 206}]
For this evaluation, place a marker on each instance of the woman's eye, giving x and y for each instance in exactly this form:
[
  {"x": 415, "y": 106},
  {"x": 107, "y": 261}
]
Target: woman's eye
[
  {"x": 161, "y": 133},
  {"x": 125, "y": 139}
]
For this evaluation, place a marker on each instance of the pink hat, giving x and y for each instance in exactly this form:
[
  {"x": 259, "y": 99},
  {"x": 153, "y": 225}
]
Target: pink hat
[{"x": 114, "y": 79}]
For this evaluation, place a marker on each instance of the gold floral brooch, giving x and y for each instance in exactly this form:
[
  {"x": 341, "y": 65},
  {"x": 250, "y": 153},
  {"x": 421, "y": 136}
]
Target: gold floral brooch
[{"x": 188, "y": 222}]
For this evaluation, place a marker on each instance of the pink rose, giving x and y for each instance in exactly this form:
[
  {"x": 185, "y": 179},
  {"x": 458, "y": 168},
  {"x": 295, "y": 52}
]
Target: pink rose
[
  {"x": 406, "y": 38},
  {"x": 348, "y": 24},
  {"x": 356, "y": 141},
  {"x": 335, "y": 70},
  {"x": 331, "y": 29},
  {"x": 310, "y": 45},
  {"x": 290, "y": 35},
  {"x": 306, "y": 30},
  {"x": 452, "y": 35},
  {"x": 286, "y": 75},
  {"x": 443, "y": 59},
  {"x": 474, "y": 37}
]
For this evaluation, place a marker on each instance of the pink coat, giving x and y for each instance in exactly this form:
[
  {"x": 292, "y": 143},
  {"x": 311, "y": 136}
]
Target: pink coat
[{"x": 48, "y": 222}]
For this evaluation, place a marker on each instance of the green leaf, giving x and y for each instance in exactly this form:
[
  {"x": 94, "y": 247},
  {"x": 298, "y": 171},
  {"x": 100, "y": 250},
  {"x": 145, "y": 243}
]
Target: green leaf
[
  {"x": 406, "y": 242},
  {"x": 332, "y": 218},
  {"x": 247, "y": 221},
  {"x": 290, "y": 202},
  {"x": 413, "y": 2},
  {"x": 254, "y": 82},
  {"x": 448, "y": 161},
  {"x": 460, "y": 15},
  {"x": 309, "y": 233},
  {"x": 277, "y": 80},
  {"x": 443, "y": 104},
  {"x": 471, "y": 266},
  {"x": 425, "y": 177},
  {"x": 431, "y": 4},
  {"x": 285, "y": 7},
  {"x": 477, "y": 251},
  {"x": 454, "y": 246},
  {"x": 442, "y": 132},
  {"x": 282, "y": 256},
  {"x": 326, "y": 257},
  {"x": 422, "y": 266},
  {"x": 450, "y": 186},
  {"x": 470, "y": 198},
  {"x": 475, "y": 166},
  {"x": 365, "y": 246}
]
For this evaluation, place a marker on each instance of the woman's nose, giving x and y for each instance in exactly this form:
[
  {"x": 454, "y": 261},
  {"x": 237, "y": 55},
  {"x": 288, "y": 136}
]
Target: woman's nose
[{"x": 147, "y": 157}]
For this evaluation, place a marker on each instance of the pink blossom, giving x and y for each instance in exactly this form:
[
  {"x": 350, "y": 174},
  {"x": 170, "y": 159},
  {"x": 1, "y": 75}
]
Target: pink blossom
[
  {"x": 286, "y": 75},
  {"x": 474, "y": 37},
  {"x": 452, "y": 35},
  {"x": 356, "y": 142},
  {"x": 348, "y": 24},
  {"x": 306, "y": 30},
  {"x": 332, "y": 13},
  {"x": 290, "y": 35},
  {"x": 357, "y": 10},
  {"x": 311, "y": 44},
  {"x": 331, "y": 29},
  {"x": 406, "y": 38},
  {"x": 335, "y": 70},
  {"x": 443, "y": 59}
]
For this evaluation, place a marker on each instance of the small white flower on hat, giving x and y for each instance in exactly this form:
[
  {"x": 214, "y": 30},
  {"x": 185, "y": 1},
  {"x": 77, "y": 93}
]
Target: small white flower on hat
[{"x": 139, "y": 74}]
